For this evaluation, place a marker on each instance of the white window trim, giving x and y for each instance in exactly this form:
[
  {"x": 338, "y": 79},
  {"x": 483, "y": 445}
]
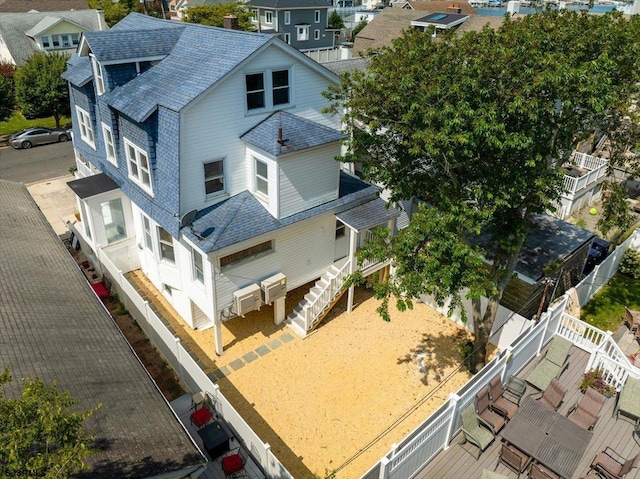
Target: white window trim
[
  {"x": 287, "y": 38},
  {"x": 287, "y": 17},
  {"x": 316, "y": 16},
  {"x": 109, "y": 141},
  {"x": 255, "y": 15},
  {"x": 267, "y": 76},
  {"x": 86, "y": 130},
  {"x": 316, "y": 34},
  {"x": 223, "y": 191},
  {"x": 256, "y": 177},
  {"x": 161, "y": 242},
  {"x": 147, "y": 237},
  {"x": 137, "y": 179},
  {"x": 267, "y": 14},
  {"x": 97, "y": 73},
  {"x": 194, "y": 268},
  {"x": 304, "y": 36}
]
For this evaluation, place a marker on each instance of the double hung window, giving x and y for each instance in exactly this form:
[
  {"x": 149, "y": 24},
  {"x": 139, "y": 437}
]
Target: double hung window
[{"x": 138, "y": 165}]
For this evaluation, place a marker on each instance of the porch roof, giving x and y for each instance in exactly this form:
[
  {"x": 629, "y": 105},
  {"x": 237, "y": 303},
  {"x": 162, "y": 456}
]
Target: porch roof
[
  {"x": 368, "y": 215},
  {"x": 92, "y": 185}
]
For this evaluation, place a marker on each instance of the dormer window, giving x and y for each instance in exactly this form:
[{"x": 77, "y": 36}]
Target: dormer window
[
  {"x": 64, "y": 40},
  {"x": 262, "y": 177},
  {"x": 84, "y": 125},
  {"x": 138, "y": 166},
  {"x": 97, "y": 71}
]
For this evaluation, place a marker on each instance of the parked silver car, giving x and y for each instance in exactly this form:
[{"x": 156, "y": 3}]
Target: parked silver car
[{"x": 38, "y": 136}]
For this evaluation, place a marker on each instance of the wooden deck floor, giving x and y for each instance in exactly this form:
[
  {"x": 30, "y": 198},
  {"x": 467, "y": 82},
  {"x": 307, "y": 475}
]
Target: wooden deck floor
[{"x": 457, "y": 463}]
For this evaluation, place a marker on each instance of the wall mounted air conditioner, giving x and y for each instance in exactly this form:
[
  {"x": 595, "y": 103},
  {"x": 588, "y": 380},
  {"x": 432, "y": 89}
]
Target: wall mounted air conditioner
[
  {"x": 247, "y": 299},
  {"x": 274, "y": 287}
]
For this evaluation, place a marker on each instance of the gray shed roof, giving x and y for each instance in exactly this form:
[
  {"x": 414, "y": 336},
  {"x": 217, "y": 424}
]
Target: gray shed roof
[
  {"x": 15, "y": 28},
  {"x": 368, "y": 215},
  {"x": 53, "y": 326},
  {"x": 78, "y": 71},
  {"x": 297, "y": 134},
  {"x": 92, "y": 185},
  {"x": 242, "y": 216}
]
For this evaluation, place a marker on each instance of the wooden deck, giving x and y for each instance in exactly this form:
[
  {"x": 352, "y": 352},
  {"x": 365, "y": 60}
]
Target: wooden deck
[
  {"x": 182, "y": 408},
  {"x": 457, "y": 463}
]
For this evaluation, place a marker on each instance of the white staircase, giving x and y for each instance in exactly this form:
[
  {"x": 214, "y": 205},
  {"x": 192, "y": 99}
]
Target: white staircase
[{"x": 318, "y": 301}]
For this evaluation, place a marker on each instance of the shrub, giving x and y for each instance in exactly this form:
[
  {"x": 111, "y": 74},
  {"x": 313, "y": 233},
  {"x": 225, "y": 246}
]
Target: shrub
[
  {"x": 630, "y": 264},
  {"x": 594, "y": 379}
]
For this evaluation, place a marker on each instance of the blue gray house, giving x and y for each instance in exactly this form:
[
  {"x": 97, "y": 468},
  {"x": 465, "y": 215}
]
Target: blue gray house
[
  {"x": 300, "y": 23},
  {"x": 205, "y": 161}
]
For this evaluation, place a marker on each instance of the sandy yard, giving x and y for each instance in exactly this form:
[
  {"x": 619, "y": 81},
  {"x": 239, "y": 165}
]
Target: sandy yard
[{"x": 338, "y": 399}]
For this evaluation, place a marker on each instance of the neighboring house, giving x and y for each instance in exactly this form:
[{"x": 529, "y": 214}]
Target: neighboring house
[
  {"x": 300, "y": 23},
  {"x": 23, "y": 34},
  {"x": 54, "y": 327},
  {"x": 461, "y": 7},
  {"x": 392, "y": 22},
  {"x": 177, "y": 8},
  {"x": 213, "y": 170}
]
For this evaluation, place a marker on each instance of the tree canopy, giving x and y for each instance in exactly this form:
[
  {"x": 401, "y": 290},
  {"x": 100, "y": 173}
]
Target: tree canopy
[
  {"x": 40, "y": 88},
  {"x": 335, "y": 20},
  {"x": 7, "y": 97},
  {"x": 213, "y": 15},
  {"x": 477, "y": 126},
  {"x": 116, "y": 11},
  {"x": 41, "y": 432}
]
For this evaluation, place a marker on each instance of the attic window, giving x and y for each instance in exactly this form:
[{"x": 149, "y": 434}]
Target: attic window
[{"x": 97, "y": 71}]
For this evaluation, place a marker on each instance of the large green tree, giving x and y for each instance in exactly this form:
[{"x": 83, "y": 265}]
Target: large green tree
[
  {"x": 41, "y": 432},
  {"x": 477, "y": 127},
  {"x": 213, "y": 15},
  {"x": 40, "y": 88},
  {"x": 7, "y": 97}
]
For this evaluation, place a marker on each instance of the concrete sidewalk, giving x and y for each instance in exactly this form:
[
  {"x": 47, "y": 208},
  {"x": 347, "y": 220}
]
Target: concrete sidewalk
[{"x": 56, "y": 201}]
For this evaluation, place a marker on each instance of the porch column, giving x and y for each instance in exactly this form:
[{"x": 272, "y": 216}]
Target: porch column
[
  {"x": 217, "y": 336},
  {"x": 353, "y": 242}
]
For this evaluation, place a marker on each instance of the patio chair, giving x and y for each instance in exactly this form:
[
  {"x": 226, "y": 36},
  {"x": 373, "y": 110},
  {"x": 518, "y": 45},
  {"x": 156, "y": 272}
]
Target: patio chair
[
  {"x": 500, "y": 398},
  {"x": 552, "y": 396},
  {"x": 538, "y": 471},
  {"x": 554, "y": 362},
  {"x": 627, "y": 402},
  {"x": 481, "y": 437},
  {"x": 612, "y": 465},
  {"x": 514, "y": 458},
  {"x": 586, "y": 412},
  {"x": 233, "y": 463},
  {"x": 201, "y": 416},
  {"x": 484, "y": 410}
]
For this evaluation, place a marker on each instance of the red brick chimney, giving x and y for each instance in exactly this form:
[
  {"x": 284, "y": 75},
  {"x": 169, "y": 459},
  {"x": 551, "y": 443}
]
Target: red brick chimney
[{"x": 231, "y": 22}]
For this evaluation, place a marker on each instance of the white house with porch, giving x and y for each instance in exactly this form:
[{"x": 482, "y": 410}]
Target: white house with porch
[{"x": 213, "y": 171}]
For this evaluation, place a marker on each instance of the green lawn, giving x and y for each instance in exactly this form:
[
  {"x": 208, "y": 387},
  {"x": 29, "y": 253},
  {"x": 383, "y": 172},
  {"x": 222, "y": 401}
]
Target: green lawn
[
  {"x": 606, "y": 308},
  {"x": 17, "y": 122}
]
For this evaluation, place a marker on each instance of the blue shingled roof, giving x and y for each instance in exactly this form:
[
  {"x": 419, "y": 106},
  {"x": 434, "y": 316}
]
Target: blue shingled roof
[
  {"x": 137, "y": 36},
  {"x": 297, "y": 133},
  {"x": 78, "y": 71},
  {"x": 242, "y": 216},
  {"x": 130, "y": 44}
]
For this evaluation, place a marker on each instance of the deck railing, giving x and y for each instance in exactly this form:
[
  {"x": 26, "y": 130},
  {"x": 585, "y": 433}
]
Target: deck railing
[
  {"x": 597, "y": 168},
  {"x": 427, "y": 440}
]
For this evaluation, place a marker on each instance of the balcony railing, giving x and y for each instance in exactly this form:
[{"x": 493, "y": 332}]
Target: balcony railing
[{"x": 595, "y": 167}]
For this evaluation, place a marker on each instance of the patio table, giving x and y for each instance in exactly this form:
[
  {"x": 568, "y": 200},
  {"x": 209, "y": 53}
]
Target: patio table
[
  {"x": 548, "y": 437},
  {"x": 215, "y": 439}
]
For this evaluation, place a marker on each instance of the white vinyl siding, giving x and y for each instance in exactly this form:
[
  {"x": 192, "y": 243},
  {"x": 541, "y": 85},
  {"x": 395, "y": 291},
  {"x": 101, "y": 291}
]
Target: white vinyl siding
[
  {"x": 203, "y": 129},
  {"x": 138, "y": 166},
  {"x": 308, "y": 181},
  {"x": 84, "y": 125},
  {"x": 109, "y": 145},
  {"x": 302, "y": 252}
]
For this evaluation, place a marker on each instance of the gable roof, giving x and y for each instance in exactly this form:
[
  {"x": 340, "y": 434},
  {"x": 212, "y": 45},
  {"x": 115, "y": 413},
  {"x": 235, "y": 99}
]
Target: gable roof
[
  {"x": 297, "y": 134},
  {"x": 178, "y": 48},
  {"x": 15, "y": 28},
  {"x": 290, "y": 4},
  {"x": 42, "y": 5},
  {"x": 440, "y": 6},
  {"x": 242, "y": 216},
  {"x": 57, "y": 329}
]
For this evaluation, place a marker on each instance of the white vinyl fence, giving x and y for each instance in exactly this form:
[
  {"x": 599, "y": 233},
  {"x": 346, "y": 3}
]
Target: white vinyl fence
[
  {"x": 188, "y": 370},
  {"x": 419, "y": 447}
]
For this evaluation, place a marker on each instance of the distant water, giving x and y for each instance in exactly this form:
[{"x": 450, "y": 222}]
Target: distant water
[{"x": 500, "y": 11}]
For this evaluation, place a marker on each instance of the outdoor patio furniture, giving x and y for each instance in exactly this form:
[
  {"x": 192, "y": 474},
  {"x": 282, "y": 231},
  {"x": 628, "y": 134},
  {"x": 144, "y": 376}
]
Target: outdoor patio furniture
[
  {"x": 197, "y": 400},
  {"x": 552, "y": 364},
  {"x": 484, "y": 410},
  {"x": 233, "y": 463},
  {"x": 628, "y": 403},
  {"x": 632, "y": 319},
  {"x": 200, "y": 417},
  {"x": 502, "y": 400},
  {"x": 612, "y": 465},
  {"x": 586, "y": 412},
  {"x": 548, "y": 437},
  {"x": 538, "y": 471},
  {"x": 479, "y": 436},
  {"x": 513, "y": 458},
  {"x": 487, "y": 474},
  {"x": 215, "y": 439},
  {"x": 552, "y": 396}
]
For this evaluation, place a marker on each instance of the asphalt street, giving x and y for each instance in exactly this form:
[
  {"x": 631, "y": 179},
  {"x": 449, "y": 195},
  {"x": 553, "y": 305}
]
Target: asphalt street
[{"x": 36, "y": 164}]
